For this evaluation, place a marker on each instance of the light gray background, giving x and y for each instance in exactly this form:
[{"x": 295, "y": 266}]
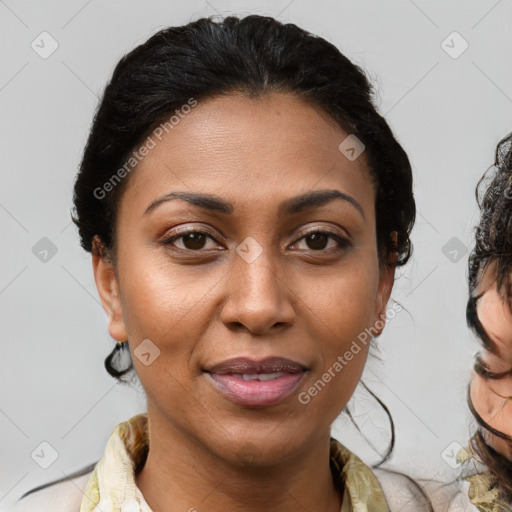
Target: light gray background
[{"x": 448, "y": 114}]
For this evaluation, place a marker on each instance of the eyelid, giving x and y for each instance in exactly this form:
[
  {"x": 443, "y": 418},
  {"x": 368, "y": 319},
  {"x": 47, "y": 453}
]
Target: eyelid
[
  {"x": 483, "y": 369},
  {"x": 180, "y": 232},
  {"x": 325, "y": 229}
]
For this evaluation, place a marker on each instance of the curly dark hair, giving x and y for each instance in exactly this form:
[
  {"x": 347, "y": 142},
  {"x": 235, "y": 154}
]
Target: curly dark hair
[{"x": 493, "y": 246}]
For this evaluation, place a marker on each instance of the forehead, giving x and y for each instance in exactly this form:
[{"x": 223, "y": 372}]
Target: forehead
[{"x": 237, "y": 147}]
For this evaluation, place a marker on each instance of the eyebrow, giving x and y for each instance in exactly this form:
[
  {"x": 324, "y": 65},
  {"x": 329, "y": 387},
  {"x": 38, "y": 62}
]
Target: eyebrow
[{"x": 294, "y": 205}]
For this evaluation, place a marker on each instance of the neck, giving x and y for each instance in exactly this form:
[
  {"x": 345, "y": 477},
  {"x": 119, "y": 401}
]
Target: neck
[{"x": 181, "y": 474}]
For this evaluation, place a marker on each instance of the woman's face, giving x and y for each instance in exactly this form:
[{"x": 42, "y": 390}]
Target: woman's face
[
  {"x": 490, "y": 397},
  {"x": 275, "y": 270}
]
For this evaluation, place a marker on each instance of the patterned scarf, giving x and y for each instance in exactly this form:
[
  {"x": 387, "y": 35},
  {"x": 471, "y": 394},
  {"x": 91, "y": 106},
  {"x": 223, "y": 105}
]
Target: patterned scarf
[
  {"x": 112, "y": 488},
  {"x": 482, "y": 490}
]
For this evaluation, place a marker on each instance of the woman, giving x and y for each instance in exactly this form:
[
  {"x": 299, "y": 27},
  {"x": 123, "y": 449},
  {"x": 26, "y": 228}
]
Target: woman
[
  {"x": 489, "y": 314},
  {"x": 246, "y": 207}
]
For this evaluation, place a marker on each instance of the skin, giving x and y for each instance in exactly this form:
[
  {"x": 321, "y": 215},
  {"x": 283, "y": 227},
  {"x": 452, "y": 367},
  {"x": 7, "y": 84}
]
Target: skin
[
  {"x": 299, "y": 299},
  {"x": 490, "y": 397}
]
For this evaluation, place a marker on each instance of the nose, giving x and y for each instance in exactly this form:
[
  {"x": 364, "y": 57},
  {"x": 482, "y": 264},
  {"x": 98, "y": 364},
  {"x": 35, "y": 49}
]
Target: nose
[{"x": 259, "y": 296}]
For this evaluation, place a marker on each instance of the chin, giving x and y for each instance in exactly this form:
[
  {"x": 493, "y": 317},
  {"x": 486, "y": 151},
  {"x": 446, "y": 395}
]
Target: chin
[{"x": 260, "y": 448}]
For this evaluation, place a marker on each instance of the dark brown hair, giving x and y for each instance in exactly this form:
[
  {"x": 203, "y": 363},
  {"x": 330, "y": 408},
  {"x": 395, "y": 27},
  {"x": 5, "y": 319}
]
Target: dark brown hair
[{"x": 493, "y": 246}]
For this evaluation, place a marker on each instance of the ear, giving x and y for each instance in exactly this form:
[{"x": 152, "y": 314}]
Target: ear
[
  {"x": 386, "y": 281},
  {"x": 108, "y": 290}
]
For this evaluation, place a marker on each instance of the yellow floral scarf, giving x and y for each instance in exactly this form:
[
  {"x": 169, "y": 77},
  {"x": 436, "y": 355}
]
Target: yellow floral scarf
[
  {"x": 112, "y": 488},
  {"x": 482, "y": 491}
]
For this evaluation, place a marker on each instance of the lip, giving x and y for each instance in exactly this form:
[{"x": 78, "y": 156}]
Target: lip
[
  {"x": 227, "y": 377},
  {"x": 271, "y": 364}
]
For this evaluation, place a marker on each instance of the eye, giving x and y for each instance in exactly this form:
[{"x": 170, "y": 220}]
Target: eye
[
  {"x": 192, "y": 240},
  {"x": 317, "y": 240}
]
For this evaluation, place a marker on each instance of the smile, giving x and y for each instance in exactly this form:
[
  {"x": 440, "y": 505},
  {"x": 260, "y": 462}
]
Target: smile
[{"x": 260, "y": 390}]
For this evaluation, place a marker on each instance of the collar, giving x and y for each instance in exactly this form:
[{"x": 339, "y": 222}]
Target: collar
[{"x": 111, "y": 487}]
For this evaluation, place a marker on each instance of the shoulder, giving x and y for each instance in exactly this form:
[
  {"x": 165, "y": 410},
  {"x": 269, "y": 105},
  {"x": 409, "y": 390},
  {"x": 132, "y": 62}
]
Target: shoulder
[
  {"x": 402, "y": 493},
  {"x": 61, "y": 496},
  {"x": 405, "y": 494}
]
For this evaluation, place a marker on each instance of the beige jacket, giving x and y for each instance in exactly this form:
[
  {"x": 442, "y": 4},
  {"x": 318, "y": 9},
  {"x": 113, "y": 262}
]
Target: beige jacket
[{"x": 110, "y": 486}]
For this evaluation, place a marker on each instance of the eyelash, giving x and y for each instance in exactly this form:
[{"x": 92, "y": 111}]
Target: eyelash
[{"x": 342, "y": 242}]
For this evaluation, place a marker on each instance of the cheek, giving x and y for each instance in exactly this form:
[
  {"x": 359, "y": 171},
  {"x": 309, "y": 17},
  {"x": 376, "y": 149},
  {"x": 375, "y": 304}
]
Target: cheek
[
  {"x": 159, "y": 296},
  {"x": 344, "y": 302},
  {"x": 169, "y": 307},
  {"x": 340, "y": 315},
  {"x": 331, "y": 386}
]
